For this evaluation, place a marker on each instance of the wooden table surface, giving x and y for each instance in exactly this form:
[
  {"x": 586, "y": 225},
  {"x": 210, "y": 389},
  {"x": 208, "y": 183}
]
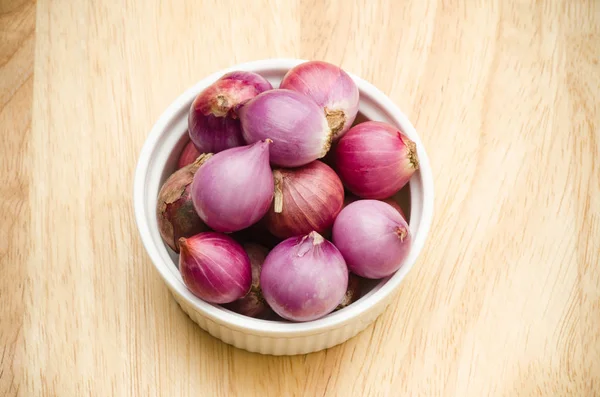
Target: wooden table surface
[{"x": 503, "y": 301}]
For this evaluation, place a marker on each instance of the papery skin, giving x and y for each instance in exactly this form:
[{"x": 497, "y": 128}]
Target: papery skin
[
  {"x": 353, "y": 291},
  {"x": 174, "y": 208}
]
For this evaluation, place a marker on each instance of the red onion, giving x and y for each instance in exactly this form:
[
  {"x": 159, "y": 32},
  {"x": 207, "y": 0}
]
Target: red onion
[
  {"x": 352, "y": 292},
  {"x": 306, "y": 199},
  {"x": 188, "y": 155},
  {"x": 234, "y": 189},
  {"x": 214, "y": 267},
  {"x": 373, "y": 238},
  {"x": 375, "y": 160},
  {"x": 350, "y": 199},
  {"x": 213, "y": 124},
  {"x": 293, "y": 121},
  {"x": 253, "y": 304},
  {"x": 304, "y": 278},
  {"x": 174, "y": 208},
  {"x": 331, "y": 88}
]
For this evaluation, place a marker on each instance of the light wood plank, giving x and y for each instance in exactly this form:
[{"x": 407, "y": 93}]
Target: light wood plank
[{"x": 505, "y": 299}]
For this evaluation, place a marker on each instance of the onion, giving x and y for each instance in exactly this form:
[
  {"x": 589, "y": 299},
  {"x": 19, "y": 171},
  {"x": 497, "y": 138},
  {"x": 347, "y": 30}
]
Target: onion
[
  {"x": 350, "y": 199},
  {"x": 174, "y": 208},
  {"x": 234, "y": 189},
  {"x": 352, "y": 292},
  {"x": 304, "y": 278},
  {"x": 331, "y": 88},
  {"x": 253, "y": 304},
  {"x": 214, "y": 267},
  {"x": 188, "y": 155},
  {"x": 375, "y": 160},
  {"x": 293, "y": 121},
  {"x": 306, "y": 199},
  {"x": 212, "y": 121},
  {"x": 373, "y": 238}
]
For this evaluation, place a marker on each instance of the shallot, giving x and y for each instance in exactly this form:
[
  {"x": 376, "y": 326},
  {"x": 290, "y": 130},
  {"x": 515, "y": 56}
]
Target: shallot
[
  {"x": 234, "y": 189},
  {"x": 306, "y": 198},
  {"x": 175, "y": 210},
  {"x": 212, "y": 122},
  {"x": 375, "y": 160},
  {"x": 294, "y": 122},
  {"x": 214, "y": 267},
  {"x": 373, "y": 238},
  {"x": 304, "y": 278}
]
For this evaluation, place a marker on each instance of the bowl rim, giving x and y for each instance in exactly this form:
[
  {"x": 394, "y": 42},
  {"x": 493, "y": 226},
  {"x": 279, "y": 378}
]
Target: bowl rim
[{"x": 235, "y": 321}]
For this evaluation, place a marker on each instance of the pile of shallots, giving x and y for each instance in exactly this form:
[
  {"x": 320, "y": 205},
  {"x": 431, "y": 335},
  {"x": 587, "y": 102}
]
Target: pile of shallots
[{"x": 260, "y": 224}]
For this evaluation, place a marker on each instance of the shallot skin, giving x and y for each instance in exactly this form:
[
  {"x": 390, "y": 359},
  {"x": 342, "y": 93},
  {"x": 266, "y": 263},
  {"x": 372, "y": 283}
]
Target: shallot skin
[
  {"x": 306, "y": 199},
  {"x": 304, "y": 278},
  {"x": 188, "y": 155},
  {"x": 234, "y": 189},
  {"x": 293, "y": 121},
  {"x": 373, "y": 238},
  {"x": 331, "y": 88},
  {"x": 214, "y": 267},
  {"x": 174, "y": 208},
  {"x": 352, "y": 292},
  {"x": 375, "y": 160},
  {"x": 212, "y": 121}
]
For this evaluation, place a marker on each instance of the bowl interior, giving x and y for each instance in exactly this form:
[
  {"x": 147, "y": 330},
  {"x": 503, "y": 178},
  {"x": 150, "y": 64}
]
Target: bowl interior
[{"x": 159, "y": 158}]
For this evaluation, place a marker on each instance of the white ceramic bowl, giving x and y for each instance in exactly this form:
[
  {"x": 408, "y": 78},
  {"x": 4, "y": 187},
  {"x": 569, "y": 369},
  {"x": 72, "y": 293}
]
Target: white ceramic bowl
[{"x": 157, "y": 161}]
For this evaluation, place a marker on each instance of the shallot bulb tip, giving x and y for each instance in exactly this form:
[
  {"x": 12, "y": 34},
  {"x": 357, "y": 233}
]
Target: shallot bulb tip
[
  {"x": 401, "y": 232},
  {"x": 411, "y": 147}
]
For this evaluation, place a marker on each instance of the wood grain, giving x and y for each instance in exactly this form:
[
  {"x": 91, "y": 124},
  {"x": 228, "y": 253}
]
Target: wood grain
[
  {"x": 505, "y": 299},
  {"x": 17, "y": 25}
]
